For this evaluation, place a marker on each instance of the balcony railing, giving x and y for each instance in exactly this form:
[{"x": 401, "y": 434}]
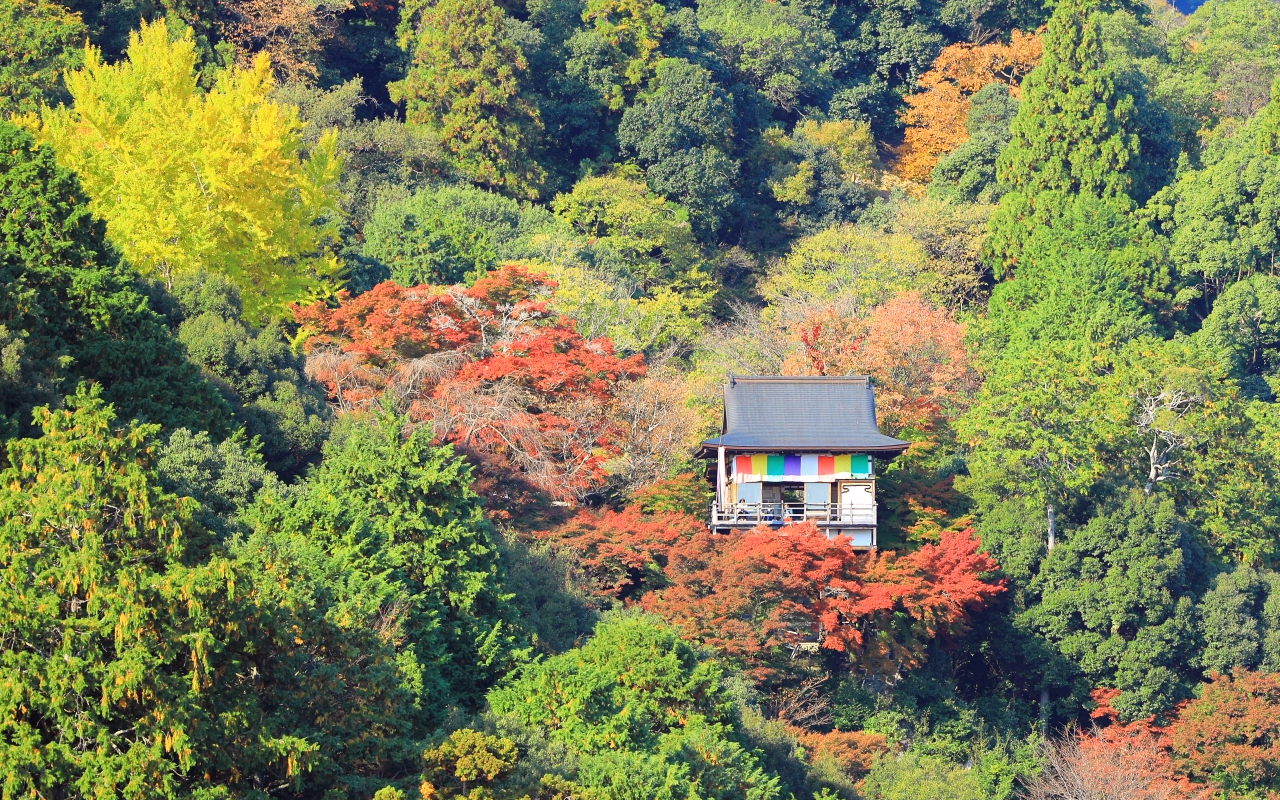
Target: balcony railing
[{"x": 826, "y": 515}]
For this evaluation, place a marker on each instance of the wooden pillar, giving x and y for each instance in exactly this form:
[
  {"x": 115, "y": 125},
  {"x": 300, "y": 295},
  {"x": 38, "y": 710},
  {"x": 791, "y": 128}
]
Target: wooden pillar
[{"x": 721, "y": 477}]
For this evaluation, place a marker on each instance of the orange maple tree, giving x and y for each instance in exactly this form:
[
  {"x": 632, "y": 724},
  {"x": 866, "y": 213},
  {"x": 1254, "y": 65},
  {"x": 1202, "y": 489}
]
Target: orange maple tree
[
  {"x": 759, "y": 595},
  {"x": 915, "y": 351},
  {"x": 853, "y": 752},
  {"x": 1229, "y": 737},
  {"x": 491, "y": 367},
  {"x": 935, "y": 115}
]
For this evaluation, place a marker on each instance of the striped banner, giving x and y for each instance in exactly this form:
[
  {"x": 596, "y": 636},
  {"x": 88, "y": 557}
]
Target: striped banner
[{"x": 786, "y": 468}]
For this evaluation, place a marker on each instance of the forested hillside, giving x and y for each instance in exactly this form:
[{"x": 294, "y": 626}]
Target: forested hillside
[{"x": 354, "y": 356}]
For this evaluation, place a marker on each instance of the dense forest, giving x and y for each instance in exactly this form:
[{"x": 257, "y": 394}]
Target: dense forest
[{"x": 354, "y": 356}]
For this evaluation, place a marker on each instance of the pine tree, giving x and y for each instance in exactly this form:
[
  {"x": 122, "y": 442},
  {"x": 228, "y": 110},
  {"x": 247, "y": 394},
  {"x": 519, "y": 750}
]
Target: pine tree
[
  {"x": 1071, "y": 133},
  {"x": 116, "y": 615},
  {"x": 464, "y": 87}
]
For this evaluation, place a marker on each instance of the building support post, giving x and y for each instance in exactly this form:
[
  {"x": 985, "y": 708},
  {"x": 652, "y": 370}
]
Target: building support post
[{"x": 720, "y": 478}]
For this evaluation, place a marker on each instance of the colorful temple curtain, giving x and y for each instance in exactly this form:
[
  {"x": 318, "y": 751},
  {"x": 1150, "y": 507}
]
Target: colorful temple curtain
[{"x": 784, "y": 468}]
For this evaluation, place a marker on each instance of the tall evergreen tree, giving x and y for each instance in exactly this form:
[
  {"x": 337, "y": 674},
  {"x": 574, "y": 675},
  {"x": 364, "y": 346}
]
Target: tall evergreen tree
[
  {"x": 116, "y": 620},
  {"x": 1072, "y": 135},
  {"x": 464, "y": 87}
]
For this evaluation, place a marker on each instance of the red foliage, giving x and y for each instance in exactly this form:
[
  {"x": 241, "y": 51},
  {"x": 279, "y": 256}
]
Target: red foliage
[
  {"x": 623, "y": 553},
  {"x": 1230, "y": 735},
  {"x": 757, "y": 596},
  {"x": 490, "y": 367}
]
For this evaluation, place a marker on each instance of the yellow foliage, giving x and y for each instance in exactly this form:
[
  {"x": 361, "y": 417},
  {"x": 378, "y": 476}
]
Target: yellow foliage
[
  {"x": 796, "y": 186},
  {"x": 853, "y": 145},
  {"x": 861, "y": 267},
  {"x": 189, "y": 180},
  {"x": 935, "y": 115}
]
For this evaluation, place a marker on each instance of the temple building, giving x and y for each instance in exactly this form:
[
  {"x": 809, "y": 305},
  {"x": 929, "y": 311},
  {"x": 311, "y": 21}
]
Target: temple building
[{"x": 793, "y": 449}]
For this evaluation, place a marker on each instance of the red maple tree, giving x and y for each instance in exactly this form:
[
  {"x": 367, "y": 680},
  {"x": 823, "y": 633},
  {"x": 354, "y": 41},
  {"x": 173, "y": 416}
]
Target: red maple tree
[
  {"x": 491, "y": 367},
  {"x": 757, "y": 596},
  {"x": 1114, "y": 759},
  {"x": 622, "y": 554}
]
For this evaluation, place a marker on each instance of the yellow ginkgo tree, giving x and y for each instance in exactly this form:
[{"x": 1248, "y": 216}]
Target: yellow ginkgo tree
[{"x": 190, "y": 180}]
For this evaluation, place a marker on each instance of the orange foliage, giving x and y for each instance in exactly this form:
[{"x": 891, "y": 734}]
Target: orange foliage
[
  {"x": 490, "y": 367},
  {"x": 935, "y": 115},
  {"x": 1230, "y": 735},
  {"x": 1125, "y": 761},
  {"x": 853, "y": 751},
  {"x": 1129, "y": 766},
  {"x": 917, "y": 355},
  {"x": 759, "y": 595},
  {"x": 914, "y": 351}
]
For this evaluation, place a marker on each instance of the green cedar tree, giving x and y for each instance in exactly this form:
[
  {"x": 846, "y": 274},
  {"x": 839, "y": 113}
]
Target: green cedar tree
[
  {"x": 463, "y": 85},
  {"x": 1071, "y": 135}
]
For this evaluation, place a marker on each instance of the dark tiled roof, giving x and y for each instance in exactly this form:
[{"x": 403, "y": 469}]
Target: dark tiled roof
[{"x": 782, "y": 413}]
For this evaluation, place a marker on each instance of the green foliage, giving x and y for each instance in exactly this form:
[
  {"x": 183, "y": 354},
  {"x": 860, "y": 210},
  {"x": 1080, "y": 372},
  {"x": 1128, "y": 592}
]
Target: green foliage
[
  {"x": 117, "y": 618},
  {"x": 39, "y": 40},
  {"x": 647, "y": 715},
  {"x": 222, "y": 477},
  {"x": 1223, "y": 217},
  {"x": 1071, "y": 136},
  {"x": 189, "y": 180},
  {"x": 1240, "y": 621},
  {"x": 258, "y": 373},
  {"x": 463, "y": 86},
  {"x": 915, "y": 777},
  {"x": 679, "y": 133},
  {"x": 785, "y": 52},
  {"x": 640, "y": 237},
  {"x": 424, "y": 240},
  {"x": 1243, "y": 331},
  {"x": 70, "y": 312},
  {"x": 1227, "y": 57},
  {"x": 468, "y": 757},
  {"x": 634, "y": 681},
  {"x": 399, "y": 518},
  {"x": 383, "y": 159},
  {"x": 823, "y": 174},
  {"x": 968, "y": 173},
  {"x": 1070, "y": 132},
  {"x": 1117, "y": 598}
]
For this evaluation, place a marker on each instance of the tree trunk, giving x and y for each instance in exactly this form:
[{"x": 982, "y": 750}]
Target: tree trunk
[
  {"x": 1044, "y": 710},
  {"x": 1053, "y": 534},
  {"x": 1153, "y": 474}
]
